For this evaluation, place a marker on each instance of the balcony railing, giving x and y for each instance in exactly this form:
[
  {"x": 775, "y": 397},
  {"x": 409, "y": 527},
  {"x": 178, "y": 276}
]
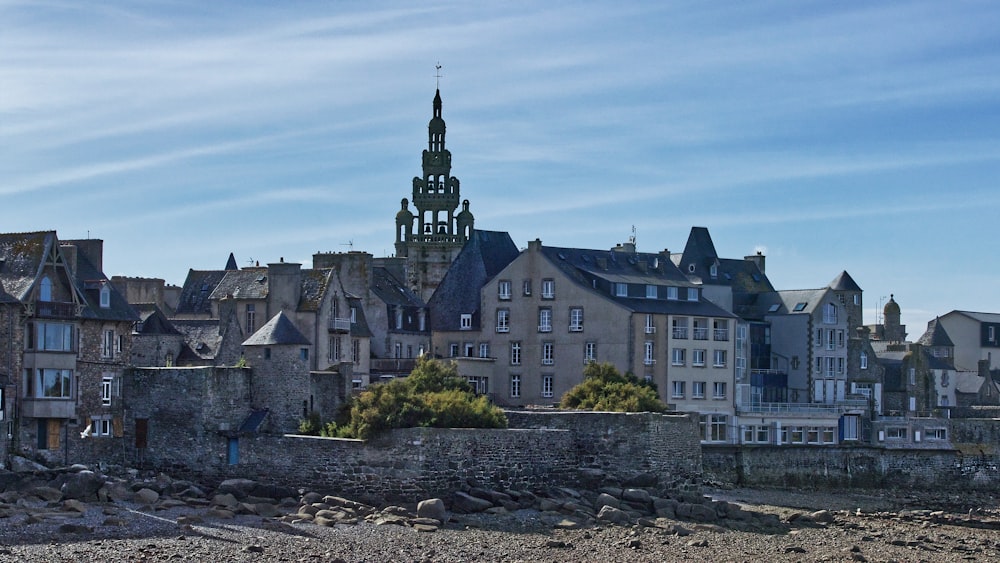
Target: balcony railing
[
  {"x": 340, "y": 325},
  {"x": 816, "y": 408},
  {"x": 680, "y": 332},
  {"x": 700, "y": 333},
  {"x": 53, "y": 309},
  {"x": 576, "y": 328},
  {"x": 721, "y": 334}
]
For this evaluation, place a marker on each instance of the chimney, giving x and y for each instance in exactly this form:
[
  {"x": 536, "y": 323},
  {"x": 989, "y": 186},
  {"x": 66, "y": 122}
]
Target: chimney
[
  {"x": 535, "y": 245},
  {"x": 284, "y": 286},
  {"x": 91, "y": 249},
  {"x": 69, "y": 255},
  {"x": 757, "y": 259}
]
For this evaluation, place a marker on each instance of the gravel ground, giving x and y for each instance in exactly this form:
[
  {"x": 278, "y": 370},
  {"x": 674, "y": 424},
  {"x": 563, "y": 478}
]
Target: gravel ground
[{"x": 886, "y": 529}]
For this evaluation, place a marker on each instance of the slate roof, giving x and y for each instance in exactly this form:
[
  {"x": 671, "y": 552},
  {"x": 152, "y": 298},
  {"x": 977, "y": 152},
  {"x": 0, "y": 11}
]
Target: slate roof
[
  {"x": 22, "y": 260},
  {"x": 482, "y": 257},
  {"x": 202, "y": 338},
  {"x": 583, "y": 266},
  {"x": 787, "y": 302},
  {"x": 279, "y": 331},
  {"x": 313, "y": 288},
  {"x": 248, "y": 283},
  {"x": 153, "y": 321},
  {"x": 981, "y": 317},
  {"x": 197, "y": 290},
  {"x": 360, "y": 326},
  {"x": 390, "y": 290},
  {"x": 935, "y": 335},
  {"x": 742, "y": 275},
  {"x": 844, "y": 282}
]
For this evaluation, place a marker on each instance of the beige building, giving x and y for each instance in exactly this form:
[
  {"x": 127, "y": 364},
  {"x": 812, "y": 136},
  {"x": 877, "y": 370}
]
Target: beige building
[
  {"x": 551, "y": 311},
  {"x": 976, "y": 336}
]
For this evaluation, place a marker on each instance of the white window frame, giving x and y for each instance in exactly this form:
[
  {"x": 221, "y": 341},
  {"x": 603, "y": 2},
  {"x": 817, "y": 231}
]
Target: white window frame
[
  {"x": 576, "y": 319},
  {"x": 503, "y": 290},
  {"x": 719, "y": 358},
  {"x": 650, "y": 324},
  {"x": 515, "y": 385},
  {"x": 698, "y": 357},
  {"x": 864, "y": 360},
  {"x": 678, "y": 356},
  {"x": 465, "y": 321},
  {"x": 503, "y": 320},
  {"x": 107, "y": 390},
  {"x": 548, "y": 354},
  {"x": 547, "y": 386},
  {"x": 590, "y": 352},
  {"x": 105, "y": 296},
  {"x": 692, "y": 294},
  {"x": 649, "y": 357},
  {"x": 719, "y": 390},
  {"x": 672, "y": 292},
  {"x": 515, "y": 353},
  {"x": 698, "y": 389},
  {"x": 830, "y": 314},
  {"x": 677, "y": 389},
  {"x": 484, "y": 349},
  {"x": 621, "y": 289},
  {"x": 650, "y": 291},
  {"x": 545, "y": 319},
  {"x": 108, "y": 344},
  {"x": 548, "y": 289}
]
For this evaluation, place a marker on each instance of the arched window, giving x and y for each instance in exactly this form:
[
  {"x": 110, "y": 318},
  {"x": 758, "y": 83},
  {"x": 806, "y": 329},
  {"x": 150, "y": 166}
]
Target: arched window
[
  {"x": 105, "y": 296},
  {"x": 45, "y": 289}
]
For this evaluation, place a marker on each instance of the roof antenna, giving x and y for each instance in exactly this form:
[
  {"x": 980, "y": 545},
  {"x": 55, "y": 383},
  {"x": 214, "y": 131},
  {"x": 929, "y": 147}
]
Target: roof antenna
[
  {"x": 631, "y": 239},
  {"x": 349, "y": 244},
  {"x": 437, "y": 75}
]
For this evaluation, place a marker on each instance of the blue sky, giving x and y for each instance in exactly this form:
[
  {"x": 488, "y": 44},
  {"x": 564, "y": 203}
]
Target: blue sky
[{"x": 829, "y": 135}]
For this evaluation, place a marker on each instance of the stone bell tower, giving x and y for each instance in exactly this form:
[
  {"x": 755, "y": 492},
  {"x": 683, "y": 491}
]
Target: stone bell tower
[{"x": 431, "y": 238}]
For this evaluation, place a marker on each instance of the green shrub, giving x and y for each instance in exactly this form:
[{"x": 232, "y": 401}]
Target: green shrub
[
  {"x": 311, "y": 426},
  {"x": 433, "y": 395},
  {"x": 605, "y": 389}
]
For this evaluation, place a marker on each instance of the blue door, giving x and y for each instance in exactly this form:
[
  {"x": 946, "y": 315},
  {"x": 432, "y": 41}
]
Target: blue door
[{"x": 234, "y": 451}]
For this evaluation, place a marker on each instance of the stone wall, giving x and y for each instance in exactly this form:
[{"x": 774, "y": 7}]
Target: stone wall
[
  {"x": 836, "y": 467},
  {"x": 570, "y": 449}
]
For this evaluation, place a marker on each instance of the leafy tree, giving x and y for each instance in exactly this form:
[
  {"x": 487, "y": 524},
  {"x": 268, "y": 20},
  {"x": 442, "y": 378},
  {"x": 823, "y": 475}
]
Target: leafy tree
[
  {"x": 604, "y": 388},
  {"x": 433, "y": 395}
]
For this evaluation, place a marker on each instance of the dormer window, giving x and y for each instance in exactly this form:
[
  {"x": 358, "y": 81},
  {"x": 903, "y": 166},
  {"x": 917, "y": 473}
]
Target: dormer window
[
  {"x": 672, "y": 293},
  {"x": 465, "y": 321},
  {"x": 692, "y": 294},
  {"x": 713, "y": 271},
  {"x": 650, "y": 292},
  {"x": 105, "y": 296}
]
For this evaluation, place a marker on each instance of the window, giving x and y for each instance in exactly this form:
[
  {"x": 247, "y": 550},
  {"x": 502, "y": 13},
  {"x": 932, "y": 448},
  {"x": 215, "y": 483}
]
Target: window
[
  {"x": 896, "y": 433},
  {"x": 677, "y": 390},
  {"x": 547, "y": 354},
  {"x": 354, "y": 315},
  {"x": 680, "y": 327},
  {"x": 774, "y": 307},
  {"x": 650, "y": 292},
  {"x": 698, "y": 390},
  {"x": 101, "y": 426},
  {"x": 526, "y": 286},
  {"x": 399, "y": 318},
  {"x": 692, "y": 294},
  {"x": 719, "y": 359},
  {"x": 719, "y": 390},
  {"x": 700, "y": 329},
  {"x": 840, "y": 365},
  {"x": 52, "y": 337},
  {"x": 546, "y": 385},
  {"x": 515, "y": 353},
  {"x": 851, "y": 427},
  {"x": 857, "y": 299},
  {"x": 50, "y": 384},
  {"x": 544, "y": 319},
  {"x": 621, "y": 290},
  {"x": 991, "y": 334},
  {"x": 251, "y": 318},
  {"x": 677, "y": 356},
  {"x": 717, "y": 427},
  {"x": 503, "y": 289},
  {"x": 304, "y": 354},
  {"x": 648, "y": 357},
  {"x": 576, "y": 319},
  {"x": 515, "y": 386},
  {"x": 453, "y": 350},
  {"x": 267, "y": 353},
  {"x": 465, "y": 321},
  {"x": 713, "y": 271},
  {"x": 105, "y": 296},
  {"x": 936, "y": 433},
  {"x": 912, "y": 376},
  {"x": 799, "y": 307},
  {"x": 757, "y": 434},
  {"x": 720, "y": 330},
  {"x": 672, "y": 293},
  {"x": 503, "y": 320},
  {"x": 830, "y": 314},
  {"x": 484, "y": 349},
  {"x": 830, "y": 343},
  {"x": 397, "y": 350},
  {"x": 864, "y": 360},
  {"x": 334, "y": 349},
  {"x": 650, "y": 325},
  {"x": 45, "y": 289},
  {"x": 355, "y": 350},
  {"x": 548, "y": 289},
  {"x": 108, "y": 344},
  {"x": 590, "y": 352},
  {"x": 107, "y": 385},
  {"x": 698, "y": 358}
]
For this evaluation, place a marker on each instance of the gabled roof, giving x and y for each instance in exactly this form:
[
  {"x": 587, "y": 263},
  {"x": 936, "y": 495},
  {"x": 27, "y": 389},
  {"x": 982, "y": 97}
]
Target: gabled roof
[
  {"x": 22, "y": 258},
  {"x": 90, "y": 280},
  {"x": 153, "y": 321},
  {"x": 279, "y": 331},
  {"x": 248, "y": 283},
  {"x": 202, "y": 338},
  {"x": 935, "y": 335},
  {"x": 197, "y": 291},
  {"x": 844, "y": 282},
  {"x": 483, "y": 256}
]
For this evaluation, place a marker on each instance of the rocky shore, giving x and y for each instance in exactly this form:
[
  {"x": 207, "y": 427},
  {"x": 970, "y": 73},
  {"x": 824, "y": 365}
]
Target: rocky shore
[{"x": 77, "y": 514}]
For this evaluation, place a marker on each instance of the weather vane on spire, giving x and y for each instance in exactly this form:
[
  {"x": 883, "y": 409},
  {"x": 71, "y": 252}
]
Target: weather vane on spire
[{"x": 437, "y": 75}]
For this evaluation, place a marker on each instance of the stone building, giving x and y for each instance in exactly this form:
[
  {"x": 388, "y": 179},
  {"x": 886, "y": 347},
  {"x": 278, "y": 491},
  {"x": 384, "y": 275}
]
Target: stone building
[
  {"x": 66, "y": 339},
  {"x": 431, "y": 239}
]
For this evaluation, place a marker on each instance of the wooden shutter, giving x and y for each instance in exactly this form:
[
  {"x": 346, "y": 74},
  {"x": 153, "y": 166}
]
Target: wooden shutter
[
  {"x": 52, "y": 434},
  {"x": 117, "y": 427}
]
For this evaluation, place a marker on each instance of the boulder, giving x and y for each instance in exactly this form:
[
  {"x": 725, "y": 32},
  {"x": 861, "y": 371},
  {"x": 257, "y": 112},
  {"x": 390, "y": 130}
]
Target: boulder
[
  {"x": 432, "y": 508},
  {"x": 20, "y": 464},
  {"x": 147, "y": 496},
  {"x": 240, "y": 488},
  {"x": 701, "y": 513},
  {"x": 82, "y": 485},
  {"x": 604, "y": 499},
  {"x": 639, "y": 496},
  {"x": 226, "y": 500},
  {"x": 644, "y": 480},
  {"x": 613, "y": 516},
  {"x": 273, "y": 491},
  {"x": 47, "y": 494},
  {"x": 463, "y": 503}
]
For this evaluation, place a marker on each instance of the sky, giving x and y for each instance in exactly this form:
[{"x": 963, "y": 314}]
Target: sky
[{"x": 858, "y": 136}]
